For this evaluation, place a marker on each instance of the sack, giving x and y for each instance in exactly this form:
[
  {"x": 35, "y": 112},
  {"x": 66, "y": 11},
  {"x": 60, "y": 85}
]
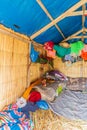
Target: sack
[{"x": 33, "y": 54}]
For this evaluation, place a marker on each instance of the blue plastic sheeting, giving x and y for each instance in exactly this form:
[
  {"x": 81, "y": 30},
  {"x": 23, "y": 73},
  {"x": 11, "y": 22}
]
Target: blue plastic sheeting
[
  {"x": 57, "y": 7},
  {"x": 70, "y": 25},
  {"x": 27, "y": 17},
  {"x": 26, "y": 14},
  {"x": 74, "y": 40},
  {"x": 51, "y": 34},
  {"x": 86, "y": 5},
  {"x": 85, "y": 40}
]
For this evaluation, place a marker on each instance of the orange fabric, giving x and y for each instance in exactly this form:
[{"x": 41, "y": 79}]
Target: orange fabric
[
  {"x": 28, "y": 90},
  {"x": 51, "y": 54},
  {"x": 84, "y": 55}
]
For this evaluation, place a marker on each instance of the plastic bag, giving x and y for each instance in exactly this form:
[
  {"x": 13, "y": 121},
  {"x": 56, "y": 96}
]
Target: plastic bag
[
  {"x": 33, "y": 54},
  {"x": 42, "y": 105}
]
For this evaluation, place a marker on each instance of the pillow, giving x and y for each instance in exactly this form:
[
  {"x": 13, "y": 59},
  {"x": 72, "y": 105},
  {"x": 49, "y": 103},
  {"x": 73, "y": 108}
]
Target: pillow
[{"x": 56, "y": 75}]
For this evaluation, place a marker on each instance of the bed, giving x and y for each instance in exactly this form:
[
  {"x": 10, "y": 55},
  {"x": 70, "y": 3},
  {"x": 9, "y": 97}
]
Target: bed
[{"x": 68, "y": 111}]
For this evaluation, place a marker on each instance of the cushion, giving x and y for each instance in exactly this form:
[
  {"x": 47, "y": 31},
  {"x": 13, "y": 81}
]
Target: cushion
[{"x": 56, "y": 75}]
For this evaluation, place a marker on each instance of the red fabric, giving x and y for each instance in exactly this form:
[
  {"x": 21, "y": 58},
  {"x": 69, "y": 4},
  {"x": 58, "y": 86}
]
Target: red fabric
[
  {"x": 84, "y": 55},
  {"x": 49, "y": 45},
  {"x": 34, "y": 96}
]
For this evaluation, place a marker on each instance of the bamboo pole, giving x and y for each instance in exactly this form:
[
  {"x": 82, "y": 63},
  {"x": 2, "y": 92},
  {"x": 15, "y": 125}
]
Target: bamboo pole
[{"x": 51, "y": 18}]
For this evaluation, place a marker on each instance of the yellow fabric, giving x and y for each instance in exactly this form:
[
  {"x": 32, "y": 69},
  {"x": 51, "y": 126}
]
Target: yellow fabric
[{"x": 28, "y": 90}]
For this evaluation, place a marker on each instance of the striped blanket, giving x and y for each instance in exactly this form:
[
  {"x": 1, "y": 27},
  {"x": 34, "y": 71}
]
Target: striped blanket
[{"x": 11, "y": 118}]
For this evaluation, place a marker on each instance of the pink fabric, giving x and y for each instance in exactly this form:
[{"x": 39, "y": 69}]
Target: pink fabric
[
  {"x": 51, "y": 54},
  {"x": 85, "y": 48}
]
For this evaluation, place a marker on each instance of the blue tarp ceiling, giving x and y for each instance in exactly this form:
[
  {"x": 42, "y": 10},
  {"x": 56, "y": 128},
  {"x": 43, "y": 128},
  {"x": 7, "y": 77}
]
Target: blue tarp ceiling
[{"x": 27, "y": 17}]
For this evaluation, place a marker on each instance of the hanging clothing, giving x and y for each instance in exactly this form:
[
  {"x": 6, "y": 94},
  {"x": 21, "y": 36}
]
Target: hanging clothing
[
  {"x": 76, "y": 47},
  {"x": 84, "y": 55},
  {"x": 51, "y": 54},
  {"x": 61, "y": 51},
  {"x": 85, "y": 48},
  {"x": 49, "y": 45}
]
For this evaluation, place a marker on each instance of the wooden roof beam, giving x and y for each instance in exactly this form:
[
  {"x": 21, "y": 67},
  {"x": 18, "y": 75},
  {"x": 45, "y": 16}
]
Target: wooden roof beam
[
  {"x": 73, "y": 35},
  {"x": 51, "y": 18},
  {"x": 59, "y": 18},
  {"x": 77, "y": 13},
  {"x": 83, "y": 20}
]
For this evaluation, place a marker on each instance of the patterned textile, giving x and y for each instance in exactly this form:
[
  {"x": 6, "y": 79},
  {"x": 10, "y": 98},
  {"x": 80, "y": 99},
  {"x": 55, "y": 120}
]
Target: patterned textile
[{"x": 11, "y": 118}]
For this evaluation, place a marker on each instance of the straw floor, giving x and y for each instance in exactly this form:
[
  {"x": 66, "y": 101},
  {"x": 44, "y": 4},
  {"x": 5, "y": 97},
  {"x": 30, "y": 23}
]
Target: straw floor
[{"x": 47, "y": 120}]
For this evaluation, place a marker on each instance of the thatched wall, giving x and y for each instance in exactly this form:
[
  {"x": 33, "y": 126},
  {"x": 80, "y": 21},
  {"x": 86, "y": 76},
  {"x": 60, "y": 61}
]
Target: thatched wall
[
  {"x": 36, "y": 70},
  {"x": 16, "y": 72},
  {"x": 77, "y": 69},
  {"x": 13, "y": 67}
]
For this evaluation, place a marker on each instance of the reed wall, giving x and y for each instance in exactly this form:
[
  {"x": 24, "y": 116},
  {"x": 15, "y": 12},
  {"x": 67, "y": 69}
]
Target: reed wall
[
  {"x": 16, "y": 69},
  {"x": 77, "y": 69},
  {"x": 36, "y": 70},
  {"x": 13, "y": 67}
]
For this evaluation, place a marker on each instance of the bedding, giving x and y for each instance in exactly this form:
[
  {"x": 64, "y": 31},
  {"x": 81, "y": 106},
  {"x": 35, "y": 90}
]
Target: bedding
[
  {"x": 79, "y": 84},
  {"x": 11, "y": 118},
  {"x": 70, "y": 104},
  {"x": 48, "y": 93}
]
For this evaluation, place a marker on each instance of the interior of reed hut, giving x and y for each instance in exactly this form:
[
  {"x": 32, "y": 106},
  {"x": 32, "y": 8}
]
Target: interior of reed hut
[{"x": 43, "y": 65}]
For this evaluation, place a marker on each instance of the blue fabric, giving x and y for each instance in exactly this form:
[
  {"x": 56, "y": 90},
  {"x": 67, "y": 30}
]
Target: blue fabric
[
  {"x": 42, "y": 104},
  {"x": 29, "y": 107}
]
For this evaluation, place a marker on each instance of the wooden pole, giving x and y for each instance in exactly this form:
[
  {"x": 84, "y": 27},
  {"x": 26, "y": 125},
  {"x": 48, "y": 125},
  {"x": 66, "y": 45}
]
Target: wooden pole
[
  {"x": 51, "y": 18},
  {"x": 73, "y": 35},
  {"x": 69, "y": 11}
]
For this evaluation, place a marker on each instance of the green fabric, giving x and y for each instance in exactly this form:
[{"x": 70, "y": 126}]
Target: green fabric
[
  {"x": 76, "y": 47},
  {"x": 61, "y": 51},
  {"x": 59, "y": 90}
]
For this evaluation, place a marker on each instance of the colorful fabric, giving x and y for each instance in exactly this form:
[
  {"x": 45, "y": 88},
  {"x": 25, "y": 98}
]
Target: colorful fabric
[
  {"x": 76, "y": 47},
  {"x": 29, "y": 107},
  {"x": 61, "y": 51},
  {"x": 51, "y": 54},
  {"x": 14, "y": 119},
  {"x": 49, "y": 45},
  {"x": 85, "y": 48},
  {"x": 84, "y": 55},
  {"x": 35, "y": 96}
]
